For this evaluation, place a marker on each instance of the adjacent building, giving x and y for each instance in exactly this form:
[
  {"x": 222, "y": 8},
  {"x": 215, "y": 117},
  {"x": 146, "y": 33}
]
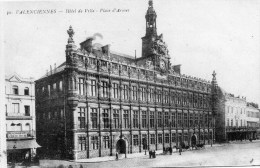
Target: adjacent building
[
  {"x": 20, "y": 118},
  {"x": 253, "y": 116},
  {"x": 98, "y": 101},
  {"x": 235, "y": 118}
]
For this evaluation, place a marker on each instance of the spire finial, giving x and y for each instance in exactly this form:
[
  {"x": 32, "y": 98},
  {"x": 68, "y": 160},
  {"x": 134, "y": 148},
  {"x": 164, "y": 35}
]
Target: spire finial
[
  {"x": 150, "y": 3},
  {"x": 214, "y": 74},
  {"x": 214, "y": 80},
  {"x": 70, "y": 33}
]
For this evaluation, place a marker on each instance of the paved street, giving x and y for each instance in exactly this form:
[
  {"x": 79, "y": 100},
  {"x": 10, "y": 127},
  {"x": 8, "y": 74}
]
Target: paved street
[{"x": 233, "y": 154}]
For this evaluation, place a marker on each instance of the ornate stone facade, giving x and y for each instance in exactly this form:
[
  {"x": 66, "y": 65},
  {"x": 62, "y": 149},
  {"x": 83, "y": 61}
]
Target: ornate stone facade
[{"x": 99, "y": 102}]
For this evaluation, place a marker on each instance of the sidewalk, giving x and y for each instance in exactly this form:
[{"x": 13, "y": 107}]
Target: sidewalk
[
  {"x": 113, "y": 158},
  {"x": 129, "y": 156}
]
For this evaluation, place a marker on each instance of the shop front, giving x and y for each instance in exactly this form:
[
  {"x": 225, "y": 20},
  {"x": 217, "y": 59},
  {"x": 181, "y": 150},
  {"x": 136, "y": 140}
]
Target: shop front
[{"x": 19, "y": 151}]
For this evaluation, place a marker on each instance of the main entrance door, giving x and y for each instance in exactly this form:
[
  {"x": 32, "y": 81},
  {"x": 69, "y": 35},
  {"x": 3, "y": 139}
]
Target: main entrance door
[{"x": 121, "y": 146}]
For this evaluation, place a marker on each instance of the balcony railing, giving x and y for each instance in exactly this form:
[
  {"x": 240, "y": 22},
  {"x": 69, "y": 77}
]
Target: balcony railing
[
  {"x": 20, "y": 134},
  {"x": 241, "y": 128}
]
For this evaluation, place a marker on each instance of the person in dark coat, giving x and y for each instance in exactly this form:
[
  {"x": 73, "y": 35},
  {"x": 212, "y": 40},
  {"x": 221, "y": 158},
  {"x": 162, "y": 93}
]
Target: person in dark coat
[
  {"x": 150, "y": 154},
  {"x": 182, "y": 145},
  {"x": 116, "y": 155},
  {"x": 194, "y": 141},
  {"x": 170, "y": 149}
]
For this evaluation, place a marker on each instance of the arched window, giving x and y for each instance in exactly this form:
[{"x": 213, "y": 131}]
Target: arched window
[
  {"x": 15, "y": 90},
  {"x": 26, "y": 91},
  {"x": 27, "y": 127}
]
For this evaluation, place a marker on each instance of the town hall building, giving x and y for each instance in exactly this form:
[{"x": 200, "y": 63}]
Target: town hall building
[{"x": 99, "y": 102}]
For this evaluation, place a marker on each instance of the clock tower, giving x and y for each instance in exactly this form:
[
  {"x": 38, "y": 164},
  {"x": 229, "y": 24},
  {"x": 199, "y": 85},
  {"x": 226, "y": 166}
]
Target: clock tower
[{"x": 153, "y": 46}]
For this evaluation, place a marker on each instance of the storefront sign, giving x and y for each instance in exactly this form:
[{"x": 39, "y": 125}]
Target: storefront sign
[{"x": 15, "y": 135}]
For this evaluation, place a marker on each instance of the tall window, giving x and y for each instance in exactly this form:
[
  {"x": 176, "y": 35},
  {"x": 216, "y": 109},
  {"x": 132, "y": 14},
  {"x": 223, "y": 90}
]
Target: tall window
[
  {"x": 106, "y": 142},
  {"x": 27, "y": 110},
  {"x": 61, "y": 113},
  {"x": 174, "y": 119},
  {"x": 82, "y": 143},
  {"x": 134, "y": 91},
  {"x": 174, "y": 137},
  {"x": 104, "y": 89},
  {"x": 201, "y": 119},
  {"x": 125, "y": 92},
  {"x": 126, "y": 118},
  {"x": 49, "y": 90},
  {"x": 185, "y": 117},
  {"x": 152, "y": 139},
  {"x": 166, "y": 97},
  {"x": 167, "y": 138},
  {"x": 15, "y": 90},
  {"x": 135, "y": 139},
  {"x": 143, "y": 95},
  {"x": 166, "y": 119},
  {"x": 116, "y": 118},
  {"x": 81, "y": 86},
  {"x": 93, "y": 88},
  {"x": 160, "y": 138},
  {"x": 150, "y": 94},
  {"x": 81, "y": 117},
  {"x": 179, "y": 119},
  {"x": 94, "y": 118},
  {"x": 205, "y": 119},
  {"x": 135, "y": 119},
  {"x": 105, "y": 118},
  {"x": 211, "y": 121},
  {"x": 172, "y": 98},
  {"x": 144, "y": 119},
  {"x": 151, "y": 119},
  {"x": 115, "y": 90},
  {"x": 196, "y": 119},
  {"x": 54, "y": 86},
  {"x": 144, "y": 141},
  {"x": 26, "y": 91},
  {"x": 16, "y": 108},
  {"x": 60, "y": 85},
  {"x": 94, "y": 142},
  {"x": 159, "y": 119},
  {"x": 228, "y": 122},
  {"x": 159, "y": 96}
]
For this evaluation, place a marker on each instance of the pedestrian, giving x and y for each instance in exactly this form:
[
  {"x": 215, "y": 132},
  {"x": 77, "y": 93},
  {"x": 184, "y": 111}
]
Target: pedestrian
[
  {"x": 170, "y": 149},
  {"x": 193, "y": 141},
  {"x": 116, "y": 155},
  {"x": 150, "y": 154},
  {"x": 154, "y": 156}
]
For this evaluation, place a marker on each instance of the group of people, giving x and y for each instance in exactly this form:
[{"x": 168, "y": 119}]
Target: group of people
[{"x": 152, "y": 154}]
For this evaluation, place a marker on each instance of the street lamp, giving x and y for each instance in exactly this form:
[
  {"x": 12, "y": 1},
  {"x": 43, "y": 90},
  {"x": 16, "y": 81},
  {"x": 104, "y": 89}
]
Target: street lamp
[{"x": 14, "y": 147}]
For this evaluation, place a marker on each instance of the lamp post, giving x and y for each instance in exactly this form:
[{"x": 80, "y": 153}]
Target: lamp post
[{"x": 14, "y": 147}]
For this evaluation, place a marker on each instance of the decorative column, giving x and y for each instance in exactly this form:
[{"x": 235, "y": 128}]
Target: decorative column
[
  {"x": 214, "y": 91},
  {"x": 72, "y": 99}
]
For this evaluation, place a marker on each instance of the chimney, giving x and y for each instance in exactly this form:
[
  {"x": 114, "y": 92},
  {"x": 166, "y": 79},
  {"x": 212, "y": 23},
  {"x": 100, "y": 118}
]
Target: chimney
[
  {"x": 50, "y": 70},
  {"x": 177, "y": 68},
  {"x": 55, "y": 68},
  {"x": 87, "y": 44},
  {"x": 106, "y": 50}
]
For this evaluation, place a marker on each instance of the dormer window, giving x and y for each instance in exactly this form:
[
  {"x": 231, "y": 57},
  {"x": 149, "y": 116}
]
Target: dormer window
[
  {"x": 26, "y": 91},
  {"x": 15, "y": 90}
]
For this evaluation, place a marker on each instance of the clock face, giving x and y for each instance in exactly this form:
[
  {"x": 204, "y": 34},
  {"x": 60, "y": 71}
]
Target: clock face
[{"x": 162, "y": 64}]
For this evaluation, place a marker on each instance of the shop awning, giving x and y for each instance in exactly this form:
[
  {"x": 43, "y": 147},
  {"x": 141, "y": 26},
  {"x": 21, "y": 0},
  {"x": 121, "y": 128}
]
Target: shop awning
[{"x": 22, "y": 144}]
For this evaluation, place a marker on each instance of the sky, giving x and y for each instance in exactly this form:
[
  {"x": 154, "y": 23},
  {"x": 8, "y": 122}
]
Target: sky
[{"x": 202, "y": 36}]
